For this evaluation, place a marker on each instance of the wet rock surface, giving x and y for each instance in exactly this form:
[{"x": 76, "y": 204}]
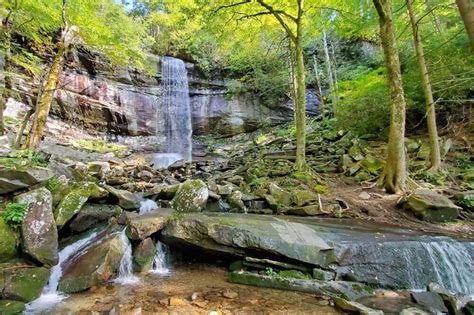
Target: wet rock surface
[{"x": 147, "y": 224}]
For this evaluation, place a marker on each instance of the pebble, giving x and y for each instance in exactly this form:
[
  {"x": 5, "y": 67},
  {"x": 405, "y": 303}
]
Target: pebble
[
  {"x": 177, "y": 301},
  {"x": 364, "y": 195},
  {"x": 230, "y": 294}
]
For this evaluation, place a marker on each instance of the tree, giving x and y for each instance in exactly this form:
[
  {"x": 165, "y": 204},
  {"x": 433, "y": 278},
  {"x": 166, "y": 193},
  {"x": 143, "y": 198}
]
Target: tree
[
  {"x": 395, "y": 173},
  {"x": 101, "y": 25},
  {"x": 426, "y": 85},
  {"x": 466, "y": 9},
  {"x": 293, "y": 27}
]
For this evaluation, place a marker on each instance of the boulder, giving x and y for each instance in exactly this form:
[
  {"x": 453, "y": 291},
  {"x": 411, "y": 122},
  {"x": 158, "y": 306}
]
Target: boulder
[
  {"x": 235, "y": 201},
  {"x": 465, "y": 200},
  {"x": 10, "y": 307},
  {"x": 304, "y": 197},
  {"x": 278, "y": 198},
  {"x": 98, "y": 169},
  {"x": 468, "y": 309},
  {"x": 126, "y": 199},
  {"x": 143, "y": 256},
  {"x": 93, "y": 214},
  {"x": 145, "y": 225},
  {"x": 431, "y": 206},
  {"x": 96, "y": 264},
  {"x": 8, "y": 240},
  {"x": 71, "y": 204},
  {"x": 39, "y": 235},
  {"x": 162, "y": 191},
  {"x": 126, "y": 217},
  {"x": 22, "y": 282},
  {"x": 430, "y": 301},
  {"x": 354, "y": 307},
  {"x": 191, "y": 196},
  {"x": 15, "y": 179},
  {"x": 310, "y": 210},
  {"x": 413, "y": 311},
  {"x": 339, "y": 289},
  {"x": 323, "y": 275}
]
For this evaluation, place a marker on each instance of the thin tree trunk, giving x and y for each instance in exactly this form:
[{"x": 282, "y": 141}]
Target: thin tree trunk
[
  {"x": 436, "y": 19},
  {"x": 44, "y": 104},
  {"x": 328, "y": 65},
  {"x": 466, "y": 9},
  {"x": 293, "y": 82},
  {"x": 300, "y": 105},
  {"x": 333, "y": 54},
  {"x": 395, "y": 173},
  {"x": 21, "y": 130},
  {"x": 425, "y": 82},
  {"x": 318, "y": 81}
]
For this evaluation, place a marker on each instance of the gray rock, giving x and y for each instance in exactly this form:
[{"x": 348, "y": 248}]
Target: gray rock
[
  {"x": 431, "y": 206},
  {"x": 413, "y": 311},
  {"x": 430, "y": 301},
  {"x": 235, "y": 201},
  {"x": 347, "y": 290},
  {"x": 323, "y": 275},
  {"x": 39, "y": 234},
  {"x": 13, "y": 179},
  {"x": 351, "y": 306},
  {"x": 126, "y": 199},
  {"x": 93, "y": 214},
  {"x": 191, "y": 196},
  {"x": 143, "y": 256},
  {"x": 22, "y": 282},
  {"x": 145, "y": 225}
]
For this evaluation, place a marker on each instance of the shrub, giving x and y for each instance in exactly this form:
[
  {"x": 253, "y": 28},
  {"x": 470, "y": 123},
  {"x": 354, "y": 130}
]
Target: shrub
[{"x": 14, "y": 214}]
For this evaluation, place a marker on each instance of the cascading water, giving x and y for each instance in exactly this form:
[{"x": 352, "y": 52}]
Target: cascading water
[
  {"x": 147, "y": 206},
  {"x": 50, "y": 296},
  {"x": 174, "y": 117},
  {"x": 125, "y": 274},
  {"x": 161, "y": 263}
]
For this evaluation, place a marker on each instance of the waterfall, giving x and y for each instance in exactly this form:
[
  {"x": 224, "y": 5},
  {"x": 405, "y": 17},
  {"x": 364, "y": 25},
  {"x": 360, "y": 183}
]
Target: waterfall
[
  {"x": 147, "y": 206},
  {"x": 125, "y": 274},
  {"x": 161, "y": 264},
  {"x": 175, "y": 115},
  {"x": 452, "y": 264},
  {"x": 50, "y": 295}
]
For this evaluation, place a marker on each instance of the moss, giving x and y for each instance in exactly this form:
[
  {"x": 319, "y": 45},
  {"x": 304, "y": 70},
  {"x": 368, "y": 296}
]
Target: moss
[
  {"x": 296, "y": 274},
  {"x": 70, "y": 205},
  {"x": 25, "y": 284},
  {"x": 99, "y": 146},
  {"x": 23, "y": 160},
  {"x": 8, "y": 241},
  {"x": 9, "y": 307}
]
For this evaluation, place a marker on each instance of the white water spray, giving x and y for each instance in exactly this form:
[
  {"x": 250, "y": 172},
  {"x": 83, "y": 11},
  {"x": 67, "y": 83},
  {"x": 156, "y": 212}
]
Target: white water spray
[
  {"x": 161, "y": 263},
  {"x": 125, "y": 274},
  {"x": 50, "y": 296},
  {"x": 147, "y": 206}
]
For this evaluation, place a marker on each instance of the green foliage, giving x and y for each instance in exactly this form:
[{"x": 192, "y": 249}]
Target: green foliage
[
  {"x": 364, "y": 105},
  {"x": 14, "y": 214},
  {"x": 53, "y": 184},
  {"x": 24, "y": 159},
  {"x": 437, "y": 178},
  {"x": 99, "y": 146}
]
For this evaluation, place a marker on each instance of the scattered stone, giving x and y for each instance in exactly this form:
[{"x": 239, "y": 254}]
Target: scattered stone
[
  {"x": 8, "y": 239},
  {"x": 92, "y": 215},
  {"x": 126, "y": 199},
  {"x": 143, "y": 256},
  {"x": 229, "y": 294},
  {"x": 191, "y": 196},
  {"x": 225, "y": 190},
  {"x": 39, "y": 235},
  {"x": 162, "y": 192},
  {"x": 365, "y": 195},
  {"x": 350, "y": 306},
  {"x": 430, "y": 301},
  {"x": 145, "y": 225},
  {"x": 304, "y": 197},
  {"x": 201, "y": 304},
  {"x": 177, "y": 301},
  {"x": 126, "y": 217},
  {"x": 342, "y": 289},
  {"x": 431, "y": 206},
  {"x": 14, "y": 179},
  {"x": 95, "y": 265},
  {"x": 98, "y": 169},
  {"x": 278, "y": 198},
  {"x": 235, "y": 201},
  {"x": 22, "y": 283},
  {"x": 310, "y": 210},
  {"x": 194, "y": 296}
]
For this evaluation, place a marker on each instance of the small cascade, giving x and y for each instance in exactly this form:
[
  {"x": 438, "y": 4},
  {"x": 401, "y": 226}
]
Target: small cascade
[
  {"x": 161, "y": 263},
  {"x": 50, "y": 296},
  {"x": 147, "y": 206},
  {"x": 174, "y": 117},
  {"x": 125, "y": 274}
]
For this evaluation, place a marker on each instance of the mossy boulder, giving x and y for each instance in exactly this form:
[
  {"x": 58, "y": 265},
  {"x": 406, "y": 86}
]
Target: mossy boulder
[
  {"x": 235, "y": 201},
  {"x": 14, "y": 179},
  {"x": 10, "y": 307},
  {"x": 92, "y": 215},
  {"x": 303, "y": 197},
  {"x": 150, "y": 223},
  {"x": 39, "y": 234},
  {"x": 311, "y": 210},
  {"x": 162, "y": 191},
  {"x": 71, "y": 204},
  {"x": 96, "y": 264},
  {"x": 191, "y": 196},
  {"x": 125, "y": 199},
  {"x": 143, "y": 256},
  {"x": 431, "y": 206},
  {"x": 22, "y": 282},
  {"x": 8, "y": 239},
  {"x": 278, "y": 198}
]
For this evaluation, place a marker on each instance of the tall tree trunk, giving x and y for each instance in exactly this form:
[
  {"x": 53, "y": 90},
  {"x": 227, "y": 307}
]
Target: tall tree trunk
[
  {"x": 44, "y": 103},
  {"x": 318, "y": 82},
  {"x": 7, "y": 70},
  {"x": 395, "y": 173},
  {"x": 425, "y": 82},
  {"x": 436, "y": 20},
  {"x": 466, "y": 9},
  {"x": 293, "y": 83},
  {"x": 333, "y": 55},
  {"x": 300, "y": 105},
  {"x": 328, "y": 65}
]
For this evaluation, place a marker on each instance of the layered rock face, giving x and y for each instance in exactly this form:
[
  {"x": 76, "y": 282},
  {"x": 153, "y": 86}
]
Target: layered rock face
[{"x": 123, "y": 102}]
